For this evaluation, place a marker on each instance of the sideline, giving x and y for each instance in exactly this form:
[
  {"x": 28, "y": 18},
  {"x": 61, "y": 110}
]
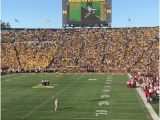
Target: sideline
[{"x": 148, "y": 106}]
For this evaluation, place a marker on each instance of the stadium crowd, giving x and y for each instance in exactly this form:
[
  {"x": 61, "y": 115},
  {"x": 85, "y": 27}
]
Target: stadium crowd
[{"x": 80, "y": 50}]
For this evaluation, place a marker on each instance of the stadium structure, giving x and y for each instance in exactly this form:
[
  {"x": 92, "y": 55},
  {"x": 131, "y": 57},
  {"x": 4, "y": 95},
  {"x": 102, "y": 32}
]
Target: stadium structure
[{"x": 96, "y": 73}]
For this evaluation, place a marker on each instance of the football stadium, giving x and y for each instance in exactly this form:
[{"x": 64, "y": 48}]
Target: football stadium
[{"x": 86, "y": 70}]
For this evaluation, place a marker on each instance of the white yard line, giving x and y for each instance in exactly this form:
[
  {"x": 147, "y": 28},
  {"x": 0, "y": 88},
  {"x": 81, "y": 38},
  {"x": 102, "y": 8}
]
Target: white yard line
[
  {"x": 148, "y": 105},
  {"x": 63, "y": 118},
  {"x": 92, "y": 79}
]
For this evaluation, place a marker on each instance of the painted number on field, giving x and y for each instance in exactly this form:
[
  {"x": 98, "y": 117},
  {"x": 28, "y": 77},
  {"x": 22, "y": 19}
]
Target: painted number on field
[
  {"x": 103, "y": 103},
  {"x": 101, "y": 112}
]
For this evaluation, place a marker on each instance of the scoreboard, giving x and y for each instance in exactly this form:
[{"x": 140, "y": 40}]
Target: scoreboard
[{"x": 86, "y": 13}]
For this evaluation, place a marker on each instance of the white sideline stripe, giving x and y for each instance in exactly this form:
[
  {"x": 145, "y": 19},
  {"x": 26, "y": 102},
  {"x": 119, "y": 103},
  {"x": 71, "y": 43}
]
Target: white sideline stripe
[
  {"x": 63, "y": 118},
  {"x": 148, "y": 106},
  {"x": 36, "y": 108}
]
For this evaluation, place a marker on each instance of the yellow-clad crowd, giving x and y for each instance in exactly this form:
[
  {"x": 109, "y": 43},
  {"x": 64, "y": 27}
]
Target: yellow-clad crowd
[{"x": 98, "y": 49}]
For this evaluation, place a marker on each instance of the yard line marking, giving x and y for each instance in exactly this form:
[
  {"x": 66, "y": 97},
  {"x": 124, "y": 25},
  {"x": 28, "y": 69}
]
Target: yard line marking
[
  {"x": 39, "y": 106},
  {"x": 101, "y": 112},
  {"x": 63, "y": 118},
  {"x": 92, "y": 79},
  {"x": 105, "y": 96},
  {"x": 103, "y": 103}
]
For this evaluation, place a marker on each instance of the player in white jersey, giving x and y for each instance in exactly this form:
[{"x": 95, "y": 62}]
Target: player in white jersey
[{"x": 56, "y": 104}]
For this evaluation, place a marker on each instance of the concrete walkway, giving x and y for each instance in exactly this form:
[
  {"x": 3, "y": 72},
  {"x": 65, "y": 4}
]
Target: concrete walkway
[{"x": 148, "y": 105}]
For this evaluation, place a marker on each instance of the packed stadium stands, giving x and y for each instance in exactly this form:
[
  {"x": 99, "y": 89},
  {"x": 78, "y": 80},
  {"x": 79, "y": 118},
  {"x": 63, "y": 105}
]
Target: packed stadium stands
[{"x": 80, "y": 50}]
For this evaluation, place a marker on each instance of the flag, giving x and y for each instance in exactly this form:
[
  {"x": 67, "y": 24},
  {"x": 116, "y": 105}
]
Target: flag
[
  {"x": 16, "y": 20},
  {"x": 129, "y": 20}
]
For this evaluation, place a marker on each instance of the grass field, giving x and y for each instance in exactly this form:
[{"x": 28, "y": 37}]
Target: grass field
[
  {"x": 156, "y": 107},
  {"x": 81, "y": 97}
]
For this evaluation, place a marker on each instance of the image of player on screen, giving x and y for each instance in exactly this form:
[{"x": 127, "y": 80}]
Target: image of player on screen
[{"x": 90, "y": 13}]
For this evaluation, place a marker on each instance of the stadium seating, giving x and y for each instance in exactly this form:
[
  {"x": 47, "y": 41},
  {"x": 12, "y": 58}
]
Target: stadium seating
[{"x": 81, "y": 50}]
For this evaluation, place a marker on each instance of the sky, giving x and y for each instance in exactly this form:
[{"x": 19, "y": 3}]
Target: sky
[{"x": 48, "y": 13}]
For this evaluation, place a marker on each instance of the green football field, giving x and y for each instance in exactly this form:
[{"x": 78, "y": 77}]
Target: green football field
[{"x": 81, "y": 97}]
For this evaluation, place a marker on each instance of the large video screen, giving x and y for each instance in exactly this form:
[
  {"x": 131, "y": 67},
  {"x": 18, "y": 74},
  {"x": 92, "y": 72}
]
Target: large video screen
[{"x": 87, "y": 12}]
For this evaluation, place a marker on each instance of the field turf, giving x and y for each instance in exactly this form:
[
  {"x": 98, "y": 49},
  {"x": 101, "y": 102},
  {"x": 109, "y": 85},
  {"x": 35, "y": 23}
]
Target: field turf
[{"x": 81, "y": 97}]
